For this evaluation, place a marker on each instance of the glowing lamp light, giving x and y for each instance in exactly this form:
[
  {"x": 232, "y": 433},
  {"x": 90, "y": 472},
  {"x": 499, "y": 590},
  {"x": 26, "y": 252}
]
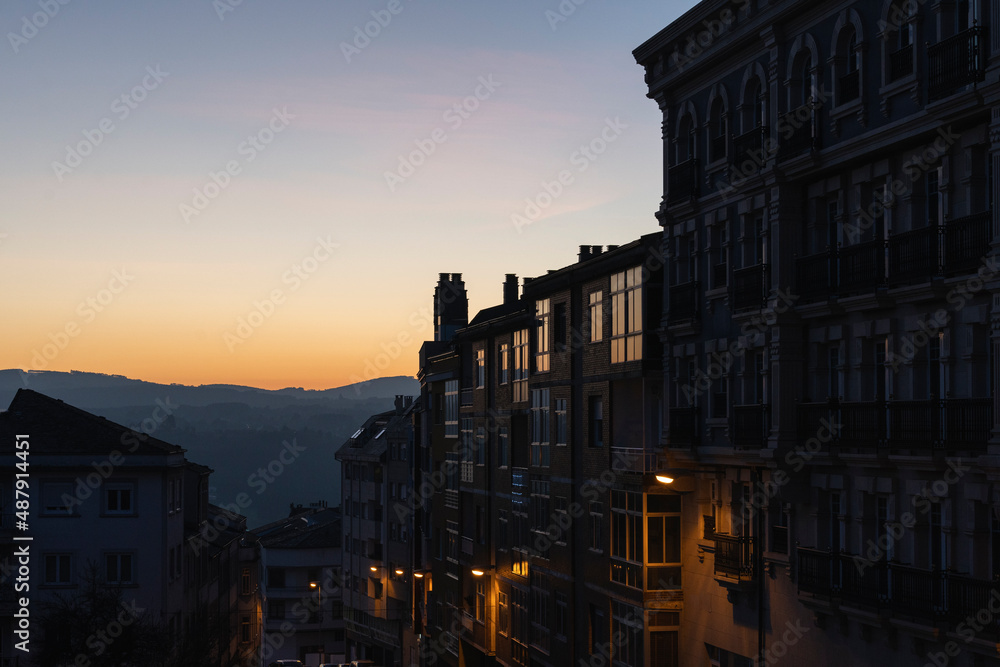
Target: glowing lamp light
[
  {"x": 399, "y": 571},
  {"x": 313, "y": 584},
  {"x": 477, "y": 573},
  {"x": 373, "y": 568},
  {"x": 418, "y": 575},
  {"x": 664, "y": 479}
]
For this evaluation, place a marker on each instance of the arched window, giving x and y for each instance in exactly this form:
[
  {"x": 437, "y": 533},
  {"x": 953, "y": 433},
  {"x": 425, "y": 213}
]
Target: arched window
[
  {"x": 899, "y": 47},
  {"x": 718, "y": 131},
  {"x": 849, "y": 81},
  {"x": 754, "y": 109},
  {"x": 685, "y": 143}
]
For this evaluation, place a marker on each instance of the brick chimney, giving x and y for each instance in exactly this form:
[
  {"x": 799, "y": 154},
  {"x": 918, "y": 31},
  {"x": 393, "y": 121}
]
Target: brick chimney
[
  {"x": 584, "y": 253},
  {"x": 510, "y": 289},
  {"x": 451, "y": 306}
]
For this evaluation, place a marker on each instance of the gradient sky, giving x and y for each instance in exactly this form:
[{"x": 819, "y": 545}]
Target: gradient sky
[{"x": 103, "y": 270}]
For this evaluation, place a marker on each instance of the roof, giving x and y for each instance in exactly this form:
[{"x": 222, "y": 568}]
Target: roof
[
  {"x": 371, "y": 439},
  {"x": 497, "y": 312},
  {"x": 58, "y": 428},
  {"x": 316, "y": 529}
]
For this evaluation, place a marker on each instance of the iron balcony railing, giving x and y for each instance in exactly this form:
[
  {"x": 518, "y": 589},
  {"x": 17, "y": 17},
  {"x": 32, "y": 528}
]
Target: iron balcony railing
[
  {"x": 682, "y": 181},
  {"x": 684, "y": 300},
  {"x": 901, "y": 63},
  {"x": 850, "y": 87},
  {"x": 750, "y": 426},
  {"x": 903, "y": 590},
  {"x": 925, "y": 425},
  {"x": 956, "y": 62},
  {"x": 955, "y": 248},
  {"x": 734, "y": 556},
  {"x": 748, "y": 288}
]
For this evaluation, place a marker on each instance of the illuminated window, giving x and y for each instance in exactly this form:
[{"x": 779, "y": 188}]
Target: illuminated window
[
  {"x": 480, "y": 369},
  {"x": 542, "y": 316},
  {"x": 503, "y": 364},
  {"x": 596, "y": 316},
  {"x": 520, "y": 365},
  {"x": 626, "y": 315},
  {"x": 451, "y": 409}
]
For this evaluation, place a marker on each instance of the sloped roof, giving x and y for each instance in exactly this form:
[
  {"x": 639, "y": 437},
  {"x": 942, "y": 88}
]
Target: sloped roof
[
  {"x": 58, "y": 428},
  {"x": 309, "y": 530}
]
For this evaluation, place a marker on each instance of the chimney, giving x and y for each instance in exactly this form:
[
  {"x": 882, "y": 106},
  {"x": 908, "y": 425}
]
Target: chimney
[
  {"x": 612, "y": 247},
  {"x": 399, "y": 404},
  {"x": 451, "y": 306},
  {"x": 584, "y": 253},
  {"x": 596, "y": 250},
  {"x": 510, "y": 289},
  {"x": 407, "y": 401}
]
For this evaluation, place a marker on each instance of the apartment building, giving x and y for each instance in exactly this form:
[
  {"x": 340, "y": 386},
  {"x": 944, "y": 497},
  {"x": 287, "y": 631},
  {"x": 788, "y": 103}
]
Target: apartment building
[
  {"x": 115, "y": 510},
  {"x": 378, "y": 553},
  {"x": 302, "y": 586},
  {"x": 543, "y": 426},
  {"x": 830, "y": 328}
]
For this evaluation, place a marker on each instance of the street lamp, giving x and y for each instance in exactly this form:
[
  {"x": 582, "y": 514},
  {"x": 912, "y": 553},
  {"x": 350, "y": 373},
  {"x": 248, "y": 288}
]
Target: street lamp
[{"x": 664, "y": 479}]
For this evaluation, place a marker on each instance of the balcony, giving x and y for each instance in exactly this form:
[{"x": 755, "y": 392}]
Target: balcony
[
  {"x": 956, "y": 62},
  {"x": 749, "y": 426},
  {"x": 901, "y": 63},
  {"x": 817, "y": 275},
  {"x": 903, "y": 590},
  {"x": 779, "y": 539},
  {"x": 734, "y": 556},
  {"x": 684, "y": 301},
  {"x": 930, "y": 425},
  {"x": 802, "y": 139},
  {"x": 682, "y": 181},
  {"x": 363, "y": 625},
  {"x": 749, "y": 147},
  {"x": 638, "y": 460},
  {"x": 717, "y": 148},
  {"x": 849, "y": 88},
  {"x": 748, "y": 287},
  {"x": 914, "y": 255},
  {"x": 966, "y": 242},
  {"x": 862, "y": 266},
  {"x": 683, "y": 427}
]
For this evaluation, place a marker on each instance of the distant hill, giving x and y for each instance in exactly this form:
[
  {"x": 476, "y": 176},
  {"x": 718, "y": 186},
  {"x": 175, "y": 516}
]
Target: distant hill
[{"x": 238, "y": 431}]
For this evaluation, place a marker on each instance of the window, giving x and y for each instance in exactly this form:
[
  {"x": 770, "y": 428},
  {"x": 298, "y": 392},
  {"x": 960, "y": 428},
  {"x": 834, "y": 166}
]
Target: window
[
  {"x": 663, "y": 541},
  {"x": 503, "y": 614},
  {"x": 560, "y": 327},
  {"x": 480, "y": 369},
  {"x": 480, "y": 446},
  {"x": 451, "y": 409},
  {"x": 520, "y": 624},
  {"x": 481, "y": 601},
  {"x": 720, "y": 398},
  {"x": 718, "y": 131},
  {"x": 245, "y": 629},
  {"x": 540, "y": 617},
  {"x": 58, "y": 569},
  {"x": 541, "y": 512},
  {"x": 933, "y": 198},
  {"x": 118, "y": 568},
  {"x": 276, "y": 609},
  {"x": 849, "y": 82},
  {"x": 627, "y": 631},
  {"x": 626, "y": 538},
  {"x": 626, "y": 315},
  {"x": 542, "y": 314},
  {"x": 503, "y": 364},
  {"x": 466, "y": 451},
  {"x": 520, "y": 365},
  {"x": 596, "y": 521},
  {"x": 562, "y": 519},
  {"x": 562, "y": 615},
  {"x": 540, "y": 428},
  {"x": 503, "y": 447},
  {"x": 502, "y": 535},
  {"x": 58, "y": 498},
  {"x": 561, "y": 421},
  {"x": 596, "y": 316},
  {"x": 596, "y": 436}
]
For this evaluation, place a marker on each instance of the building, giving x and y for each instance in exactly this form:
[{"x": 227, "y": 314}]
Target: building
[
  {"x": 114, "y": 510},
  {"x": 301, "y": 558},
  {"x": 379, "y": 575},
  {"x": 543, "y": 426},
  {"x": 830, "y": 328}
]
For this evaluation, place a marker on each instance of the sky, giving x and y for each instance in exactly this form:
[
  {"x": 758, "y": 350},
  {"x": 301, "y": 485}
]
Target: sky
[{"x": 264, "y": 193}]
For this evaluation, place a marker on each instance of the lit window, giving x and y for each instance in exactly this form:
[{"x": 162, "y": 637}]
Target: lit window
[
  {"x": 626, "y": 315},
  {"x": 542, "y": 315},
  {"x": 480, "y": 369},
  {"x": 520, "y": 365},
  {"x": 596, "y": 316}
]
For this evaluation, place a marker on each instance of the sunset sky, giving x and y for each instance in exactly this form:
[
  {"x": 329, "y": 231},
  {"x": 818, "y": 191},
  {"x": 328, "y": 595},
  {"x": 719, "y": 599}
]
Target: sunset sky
[{"x": 197, "y": 191}]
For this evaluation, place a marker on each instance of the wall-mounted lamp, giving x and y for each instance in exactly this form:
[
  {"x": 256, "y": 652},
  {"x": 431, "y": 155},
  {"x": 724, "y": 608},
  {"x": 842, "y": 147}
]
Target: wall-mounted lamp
[{"x": 664, "y": 479}]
